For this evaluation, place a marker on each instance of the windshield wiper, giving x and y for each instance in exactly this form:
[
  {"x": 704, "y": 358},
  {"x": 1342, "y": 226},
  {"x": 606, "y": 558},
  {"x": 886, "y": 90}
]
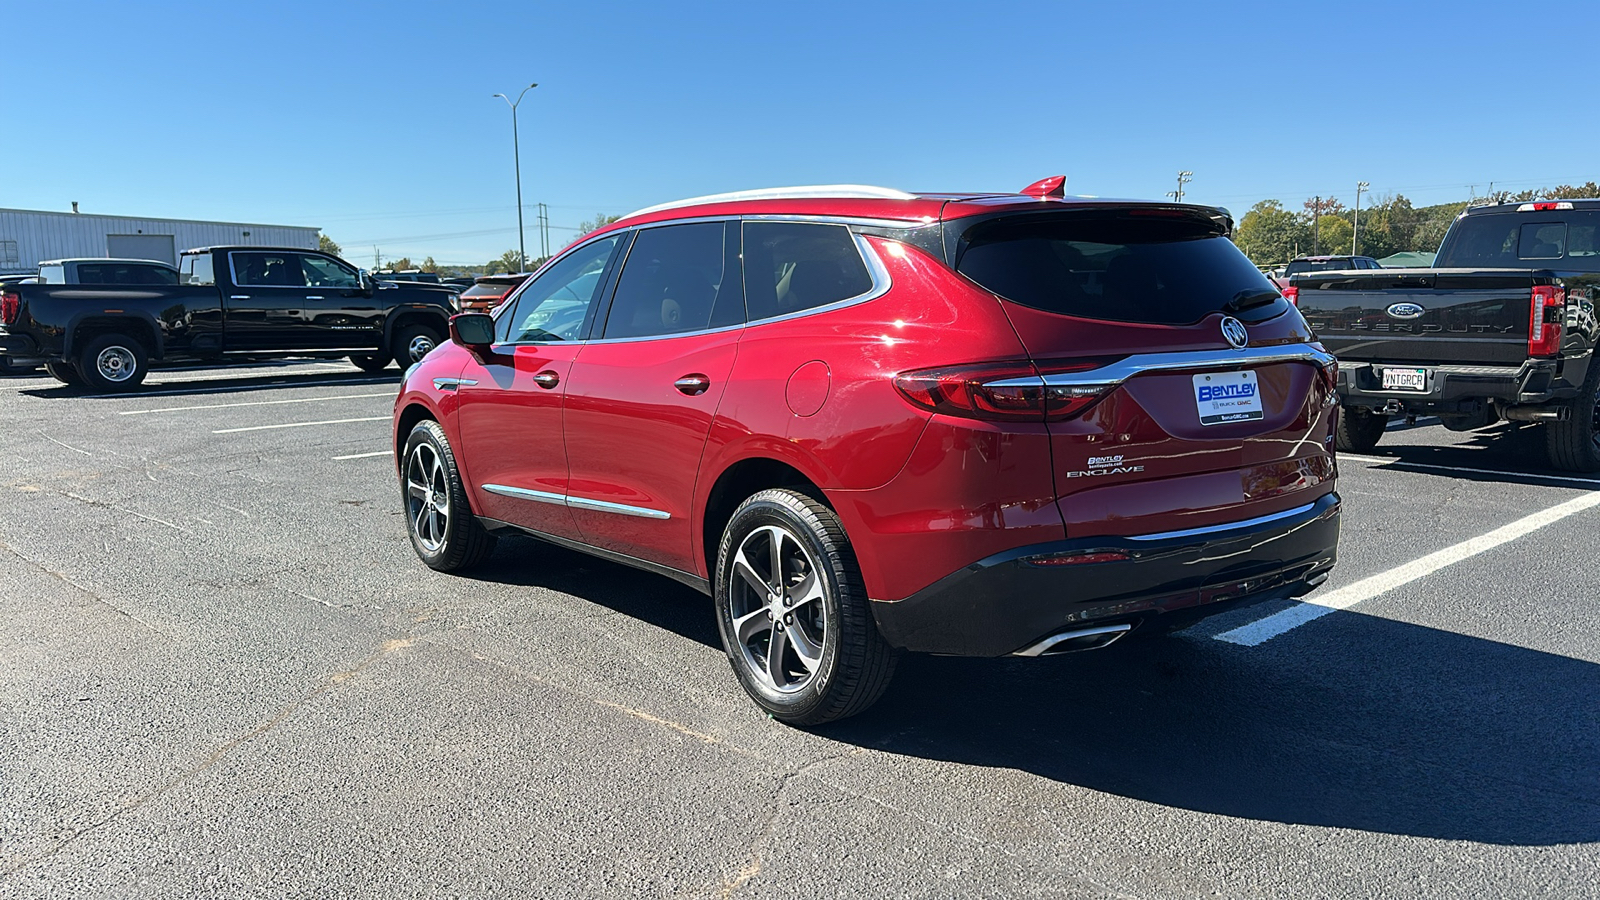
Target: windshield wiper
[{"x": 1249, "y": 298}]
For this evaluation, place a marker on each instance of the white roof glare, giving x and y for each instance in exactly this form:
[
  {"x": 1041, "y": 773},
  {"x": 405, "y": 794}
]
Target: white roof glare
[{"x": 819, "y": 191}]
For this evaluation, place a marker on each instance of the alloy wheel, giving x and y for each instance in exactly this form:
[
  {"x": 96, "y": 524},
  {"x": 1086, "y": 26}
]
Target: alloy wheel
[
  {"x": 428, "y": 498},
  {"x": 780, "y": 617}
]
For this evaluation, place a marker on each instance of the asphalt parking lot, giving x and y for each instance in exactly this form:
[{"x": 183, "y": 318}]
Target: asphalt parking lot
[{"x": 224, "y": 674}]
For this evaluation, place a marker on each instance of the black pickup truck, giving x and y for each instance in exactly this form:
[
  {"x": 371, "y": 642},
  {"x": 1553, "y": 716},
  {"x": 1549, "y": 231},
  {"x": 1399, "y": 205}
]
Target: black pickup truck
[
  {"x": 1503, "y": 329},
  {"x": 230, "y": 304}
]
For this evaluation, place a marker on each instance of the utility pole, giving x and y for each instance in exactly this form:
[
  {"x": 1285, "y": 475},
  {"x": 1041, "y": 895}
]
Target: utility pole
[
  {"x": 516, "y": 152},
  {"x": 544, "y": 231},
  {"x": 1184, "y": 178},
  {"x": 377, "y": 258},
  {"x": 1316, "y": 226},
  {"x": 1355, "y": 233}
]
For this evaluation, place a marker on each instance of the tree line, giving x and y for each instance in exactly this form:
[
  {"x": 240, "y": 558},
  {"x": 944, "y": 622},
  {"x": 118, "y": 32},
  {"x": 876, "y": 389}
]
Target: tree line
[
  {"x": 509, "y": 261},
  {"x": 1271, "y": 234}
]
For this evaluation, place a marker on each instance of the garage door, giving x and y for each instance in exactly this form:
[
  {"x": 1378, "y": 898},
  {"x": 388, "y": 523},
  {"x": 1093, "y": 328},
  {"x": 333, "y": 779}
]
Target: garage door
[{"x": 142, "y": 246}]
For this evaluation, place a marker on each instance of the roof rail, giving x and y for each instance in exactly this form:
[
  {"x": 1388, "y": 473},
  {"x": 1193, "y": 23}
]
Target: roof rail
[{"x": 828, "y": 191}]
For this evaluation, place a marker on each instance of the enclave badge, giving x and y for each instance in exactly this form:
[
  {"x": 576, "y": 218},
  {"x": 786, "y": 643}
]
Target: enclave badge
[{"x": 1233, "y": 330}]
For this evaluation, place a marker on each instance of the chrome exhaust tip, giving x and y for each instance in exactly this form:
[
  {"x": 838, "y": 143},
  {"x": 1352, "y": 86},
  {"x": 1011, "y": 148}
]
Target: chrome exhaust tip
[{"x": 1076, "y": 640}]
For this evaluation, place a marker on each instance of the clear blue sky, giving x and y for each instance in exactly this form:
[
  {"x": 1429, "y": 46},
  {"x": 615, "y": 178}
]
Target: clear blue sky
[{"x": 375, "y": 121}]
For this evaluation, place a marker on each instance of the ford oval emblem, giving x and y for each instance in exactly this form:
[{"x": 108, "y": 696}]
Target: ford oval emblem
[
  {"x": 1404, "y": 311},
  {"x": 1233, "y": 330}
]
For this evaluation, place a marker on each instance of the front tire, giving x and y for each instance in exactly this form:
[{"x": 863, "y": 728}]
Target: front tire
[
  {"x": 412, "y": 342},
  {"x": 1574, "y": 445},
  {"x": 1359, "y": 429},
  {"x": 793, "y": 612},
  {"x": 373, "y": 363},
  {"x": 113, "y": 362},
  {"x": 445, "y": 534},
  {"x": 64, "y": 372}
]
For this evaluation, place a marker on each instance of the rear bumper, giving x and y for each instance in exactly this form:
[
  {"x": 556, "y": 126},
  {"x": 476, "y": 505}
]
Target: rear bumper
[
  {"x": 1006, "y": 602},
  {"x": 19, "y": 346},
  {"x": 1449, "y": 388}
]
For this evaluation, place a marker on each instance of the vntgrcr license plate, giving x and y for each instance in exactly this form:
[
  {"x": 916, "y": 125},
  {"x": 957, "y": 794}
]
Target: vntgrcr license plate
[{"x": 1405, "y": 379}]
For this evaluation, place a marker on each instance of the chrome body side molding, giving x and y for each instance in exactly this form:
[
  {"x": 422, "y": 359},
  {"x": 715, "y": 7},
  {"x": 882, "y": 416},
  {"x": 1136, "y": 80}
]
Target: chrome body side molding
[{"x": 621, "y": 509}]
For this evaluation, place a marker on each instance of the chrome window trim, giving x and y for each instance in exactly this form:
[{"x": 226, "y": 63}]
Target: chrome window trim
[
  {"x": 1226, "y": 526},
  {"x": 621, "y": 509},
  {"x": 1139, "y": 363}
]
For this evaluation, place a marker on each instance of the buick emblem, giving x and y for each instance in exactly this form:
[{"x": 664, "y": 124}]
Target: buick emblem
[
  {"x": 1404, "y": 311},
  {"x": 1233, "y": 330}
]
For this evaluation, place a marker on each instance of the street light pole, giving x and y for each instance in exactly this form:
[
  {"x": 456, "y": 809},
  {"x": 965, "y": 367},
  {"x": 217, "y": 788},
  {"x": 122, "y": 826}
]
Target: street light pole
[
  {"x": 516, "y": 151},
  {"x": 1183, "y": 178},
  {"x": 1355, "y": 231}
]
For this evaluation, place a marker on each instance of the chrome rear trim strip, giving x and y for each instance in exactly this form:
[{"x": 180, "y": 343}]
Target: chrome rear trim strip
[
  {"x": 621, "y": 509},
  {"x": 1226, "y": 526},
  {"x": 1139, "y": 363}
]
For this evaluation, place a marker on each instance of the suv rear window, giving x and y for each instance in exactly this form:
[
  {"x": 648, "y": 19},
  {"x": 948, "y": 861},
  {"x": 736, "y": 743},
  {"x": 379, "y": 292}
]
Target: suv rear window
[
  {"x": 1546, "y": 239},
  {"x": 487, "y": 290},
  {"x": 1116, "y": 267}
]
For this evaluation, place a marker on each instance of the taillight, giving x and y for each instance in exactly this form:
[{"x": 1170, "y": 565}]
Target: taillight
[
  {"x": 1544, "y": 206},
  {"x": 1292, "y": 294},
  {"x": 1545, "y": 317},
  {"x": 10, "y": 307},
  {"x": 1002, "y": 392}
]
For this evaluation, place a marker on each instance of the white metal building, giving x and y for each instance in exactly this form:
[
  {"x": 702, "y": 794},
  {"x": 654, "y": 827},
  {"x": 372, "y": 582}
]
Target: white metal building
[{"x": 30, "y": 236}]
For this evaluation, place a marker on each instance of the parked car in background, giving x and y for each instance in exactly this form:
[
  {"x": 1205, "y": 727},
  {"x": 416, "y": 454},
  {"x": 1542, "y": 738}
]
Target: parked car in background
[
  {"x": 406, "y": 275},
  {"x": 490, "y": 291},
  {"x": 233, "y": 304},
  {"x": 106, "y": 271},
  {"x": 868, "y": 421},
  {"x": 1503, "y": 329},
  {"x": 1322, "y": 264},
  {"x": 460, "y": 281}
]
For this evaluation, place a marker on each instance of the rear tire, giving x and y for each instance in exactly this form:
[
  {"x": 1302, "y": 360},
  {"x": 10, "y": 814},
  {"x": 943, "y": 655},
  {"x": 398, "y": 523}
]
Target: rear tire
[
  {"x": 113, "y": 362},
  {"x": 443, "y": 530},
  {"x": 1574, "y": 445},
  {"x": 787, "y": 583},
  {"x": 374, "y": 363},
  {"x": 412, "y": 342},
  {"x": 1359, "y": 429},
  {"x": 64, "y": 372}
]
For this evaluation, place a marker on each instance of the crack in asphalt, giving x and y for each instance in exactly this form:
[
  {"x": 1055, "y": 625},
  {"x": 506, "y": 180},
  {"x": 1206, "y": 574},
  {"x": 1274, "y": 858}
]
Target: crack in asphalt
[{"x": 91, "y": 594}]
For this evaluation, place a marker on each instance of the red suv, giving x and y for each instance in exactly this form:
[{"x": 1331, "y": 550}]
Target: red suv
[{"x": 866, "y": 421}]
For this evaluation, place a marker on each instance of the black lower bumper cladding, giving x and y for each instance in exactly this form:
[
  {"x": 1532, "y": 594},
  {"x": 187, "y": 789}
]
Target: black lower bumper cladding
[{"x": 1010, "y": 600}]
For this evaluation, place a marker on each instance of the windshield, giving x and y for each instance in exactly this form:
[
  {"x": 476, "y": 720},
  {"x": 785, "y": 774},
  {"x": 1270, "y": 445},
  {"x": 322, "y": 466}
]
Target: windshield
[
  {"x": 1548, "y": 239},
  {"x": 1336, "y": 264}
]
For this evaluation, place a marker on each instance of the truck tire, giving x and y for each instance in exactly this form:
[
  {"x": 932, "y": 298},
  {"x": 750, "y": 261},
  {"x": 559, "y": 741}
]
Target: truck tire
[
  {"x": 63, "y": 371},
  {"x": 1574, "y": 445},
  {"x": 376, "y": 362},
  {"x": 113, "y": 362},
  {"x": 412, "y": 342},
  {"x": 1359, "y": 429}
]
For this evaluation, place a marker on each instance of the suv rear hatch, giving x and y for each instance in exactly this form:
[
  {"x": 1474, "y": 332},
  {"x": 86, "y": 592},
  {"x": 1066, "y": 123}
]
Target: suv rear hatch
[{"x": 1158, "y": 423}]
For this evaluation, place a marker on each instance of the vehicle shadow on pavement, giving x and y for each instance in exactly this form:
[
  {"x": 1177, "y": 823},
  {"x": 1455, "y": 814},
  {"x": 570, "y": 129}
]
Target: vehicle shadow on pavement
[
  {"x": 1358, "y": 722},
  {"x": 199, "y": 388},
  {"x": 1516, "y": 450}
]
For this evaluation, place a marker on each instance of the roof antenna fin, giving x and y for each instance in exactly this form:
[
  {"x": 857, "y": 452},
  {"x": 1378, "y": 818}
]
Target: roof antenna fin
[{"x": 1054, "y": 186}]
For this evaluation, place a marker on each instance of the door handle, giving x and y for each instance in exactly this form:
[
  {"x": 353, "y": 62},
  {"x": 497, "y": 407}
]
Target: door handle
[
  {"x": 693, "y": 385},
  {"x": 547, "y": 379}
]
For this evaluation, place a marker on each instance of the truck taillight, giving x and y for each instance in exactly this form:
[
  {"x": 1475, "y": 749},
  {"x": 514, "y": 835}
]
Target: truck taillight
[
  {"x": 1292, "y": 294},
  {"x": 1545, "y": 317},
  {"x": 10, "y": 307},
  {"x": 1003, "y": 392}
]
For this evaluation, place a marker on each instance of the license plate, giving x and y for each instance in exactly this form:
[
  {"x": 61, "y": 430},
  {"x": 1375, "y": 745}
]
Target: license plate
[
  {"x": 1405, "y": 379},
  {"x": 1224, "y": 397}
]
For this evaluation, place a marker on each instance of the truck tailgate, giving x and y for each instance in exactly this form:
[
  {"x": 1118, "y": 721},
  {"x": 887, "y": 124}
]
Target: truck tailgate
[{"x": 1443, "y": 316}]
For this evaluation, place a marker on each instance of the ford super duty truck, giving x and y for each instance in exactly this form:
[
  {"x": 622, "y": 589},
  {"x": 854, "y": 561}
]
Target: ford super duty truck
[
  {"x": 1503, "y": 328},
  {"x": 229, "y": 304}
]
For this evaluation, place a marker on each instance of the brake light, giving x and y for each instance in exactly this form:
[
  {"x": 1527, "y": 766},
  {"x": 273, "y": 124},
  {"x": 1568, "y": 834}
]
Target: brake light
[
  {"x": 1544, "y": 205},
  {"x": 10, "y": 307},
  {"x": 1545, "y": 317},
  {"x": 1002, "y": 392},
  {"x": 1292, "y": 294}
]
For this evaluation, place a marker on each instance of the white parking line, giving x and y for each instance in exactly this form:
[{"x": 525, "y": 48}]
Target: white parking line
[
  {"x": 300, "y": 424},
  {"x": 1263, "y": 630},
  {"x": 242, "y": 388},
  {"x": 1412, "y": 465},
  {"x": 366, "y": 455},
  {"x": 141, "y": 412}
]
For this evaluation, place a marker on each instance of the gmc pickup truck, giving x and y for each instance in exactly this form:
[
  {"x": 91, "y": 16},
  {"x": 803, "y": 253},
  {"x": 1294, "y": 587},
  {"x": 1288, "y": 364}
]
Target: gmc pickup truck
[
  {"x": 230, "y": 304},
  {"x": 1503, "y": 329}
]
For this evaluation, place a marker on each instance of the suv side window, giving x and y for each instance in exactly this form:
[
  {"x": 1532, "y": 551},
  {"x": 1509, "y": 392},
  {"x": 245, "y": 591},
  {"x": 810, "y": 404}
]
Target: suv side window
[
  {"x": 678, "y": 278},
  {"x": 794, "y": 266},
  {"x": 321, "y": 271},
  {"x": 555, "y": 306},
  {"x": 268, "y": 270}
]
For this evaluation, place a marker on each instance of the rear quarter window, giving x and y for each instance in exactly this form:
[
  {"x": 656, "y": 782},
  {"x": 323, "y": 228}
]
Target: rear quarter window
[
  {"x": 1120, "y": 268},
  {"x": 790, "y": 267}
]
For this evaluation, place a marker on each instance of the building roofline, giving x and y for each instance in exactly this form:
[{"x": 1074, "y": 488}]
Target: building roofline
[{"x": 88, "y": 215}]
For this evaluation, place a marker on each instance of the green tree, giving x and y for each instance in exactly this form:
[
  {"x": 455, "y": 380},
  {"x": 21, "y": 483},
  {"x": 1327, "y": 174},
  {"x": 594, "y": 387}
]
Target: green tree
[
  {"x": 402, "y": 264},
  {"x": 509, "y": 261},
  {"x": 1270, "y": 234},
  {"x": 428, "y": 265},
  {"x": 326, "y": 245},
  {"x": 600, "y": 221},
  {"x": 1388, "y": 226},
  {"x": 1432, "y": 223},
  {"x": 1333, "y": 235}
]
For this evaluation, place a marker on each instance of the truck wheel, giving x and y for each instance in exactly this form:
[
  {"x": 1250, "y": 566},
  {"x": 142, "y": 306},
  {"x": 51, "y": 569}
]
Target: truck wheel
[
  {"x": 113, "y": 362},
  {"x": 1359, "y": 429},
  {"x": 62, "y": 371},
  {"x": 412, "y": 343},
  {"x": 374, "y": 363},
  {"x": 1574, "y": 445},
  {"x": 444, "y": 532},
  {"x": 794, "y": 614}
]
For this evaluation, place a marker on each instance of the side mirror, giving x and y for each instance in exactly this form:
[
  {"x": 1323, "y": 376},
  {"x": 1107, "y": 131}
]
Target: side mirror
[
  {"x": 475, "y": 331},
  {"x": 365, "y": 279}
]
